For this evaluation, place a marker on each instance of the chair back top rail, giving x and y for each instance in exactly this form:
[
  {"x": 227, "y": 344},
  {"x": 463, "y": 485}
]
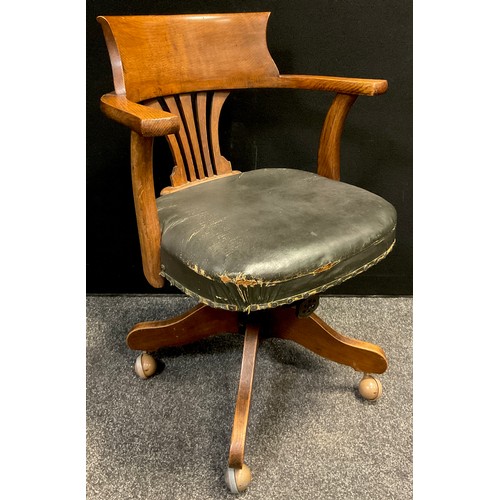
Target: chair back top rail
[{"x": 153, "y": 56}]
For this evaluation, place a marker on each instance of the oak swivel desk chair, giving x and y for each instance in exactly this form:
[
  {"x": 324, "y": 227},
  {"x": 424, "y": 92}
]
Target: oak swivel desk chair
[{"x": 255, "y": 248}]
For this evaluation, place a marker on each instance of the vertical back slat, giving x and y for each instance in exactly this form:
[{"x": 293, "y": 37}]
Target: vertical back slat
[
  {"x": 184, "y": 142},
  {"x": 187, "y": 109},
  {"x": 178, "y": 176},
  {"x": 201, "y": 110},
  {"x": 222, "y": 166}
]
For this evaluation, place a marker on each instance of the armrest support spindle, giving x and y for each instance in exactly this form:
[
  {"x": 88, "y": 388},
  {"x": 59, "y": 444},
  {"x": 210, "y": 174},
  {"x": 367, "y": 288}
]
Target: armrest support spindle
[
  {"x": 329, "y": 144},
  {"x": 145, "y": 207}
]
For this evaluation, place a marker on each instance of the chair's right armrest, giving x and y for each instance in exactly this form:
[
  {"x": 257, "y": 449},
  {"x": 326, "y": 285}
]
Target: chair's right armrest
[
  {"x": 342, "y": 85},
  {"x": 146, "y": 121}
]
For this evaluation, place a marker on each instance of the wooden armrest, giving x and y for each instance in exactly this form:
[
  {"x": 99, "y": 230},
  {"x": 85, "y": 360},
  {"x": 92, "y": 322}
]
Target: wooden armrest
[
  {"x": 146, "y": 121},
  {"x": 354, "y": 86}
]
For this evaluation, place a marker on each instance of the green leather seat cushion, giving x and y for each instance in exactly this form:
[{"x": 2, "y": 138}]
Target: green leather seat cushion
[{"x": 268, "y": 237}]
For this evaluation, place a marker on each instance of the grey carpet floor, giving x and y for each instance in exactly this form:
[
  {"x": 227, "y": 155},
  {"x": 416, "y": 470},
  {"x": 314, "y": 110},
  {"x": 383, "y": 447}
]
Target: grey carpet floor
[{"x": 310, "y": 435}]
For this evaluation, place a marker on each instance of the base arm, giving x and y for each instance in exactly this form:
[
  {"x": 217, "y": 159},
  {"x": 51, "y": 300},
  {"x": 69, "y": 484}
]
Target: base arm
[
  {"x": 314, "y": 334},
  {"x": 196, "y": 324}
]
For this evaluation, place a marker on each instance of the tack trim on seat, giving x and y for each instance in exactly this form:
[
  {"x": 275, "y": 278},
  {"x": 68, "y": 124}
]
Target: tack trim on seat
[{"x": 288, "y": 300}]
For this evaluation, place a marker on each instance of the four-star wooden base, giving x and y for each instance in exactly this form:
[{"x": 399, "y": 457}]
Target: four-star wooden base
[{"x": 297, "y": 323}]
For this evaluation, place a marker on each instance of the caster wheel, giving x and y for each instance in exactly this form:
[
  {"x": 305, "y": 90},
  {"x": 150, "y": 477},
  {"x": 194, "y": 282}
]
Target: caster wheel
[
  {"x": 145, "y": 365},
  {"x": 370, "y": 387},
  {"x": 238, "y": 480}
]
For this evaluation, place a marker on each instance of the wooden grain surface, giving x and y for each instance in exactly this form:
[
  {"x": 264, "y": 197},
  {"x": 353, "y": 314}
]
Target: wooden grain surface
[
  {"x": 148, "y": 225},
  {"x": 198, "y": 323},
  {"x": 244, "y": 397},
  {"x": 317, "y": 336}
]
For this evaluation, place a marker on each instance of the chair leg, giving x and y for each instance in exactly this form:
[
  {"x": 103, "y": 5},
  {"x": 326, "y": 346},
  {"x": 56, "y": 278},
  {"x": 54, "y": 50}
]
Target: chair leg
[
  {"x": 238, "y": 475},
  {"x": 198, "y": 323},
  {"x": 314, "y": 334}
]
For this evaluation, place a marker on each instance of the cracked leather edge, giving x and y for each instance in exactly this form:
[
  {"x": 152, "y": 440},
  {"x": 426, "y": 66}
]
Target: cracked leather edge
[
  {"x": 280, "y": 302},
  {"x": 242, "y": 280}
]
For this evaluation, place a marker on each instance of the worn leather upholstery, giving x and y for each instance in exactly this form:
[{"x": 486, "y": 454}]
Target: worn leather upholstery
[{"x": 268, "y": 237}]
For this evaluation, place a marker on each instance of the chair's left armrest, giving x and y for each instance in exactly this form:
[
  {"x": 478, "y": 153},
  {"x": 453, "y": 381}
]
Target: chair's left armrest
[
  {"x": 341, "y": 85},
  {"x": 146, "y": 121}
]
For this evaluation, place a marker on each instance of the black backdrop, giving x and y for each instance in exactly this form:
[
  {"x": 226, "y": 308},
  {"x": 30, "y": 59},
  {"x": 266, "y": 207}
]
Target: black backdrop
[{"x": 270, "y": 128}]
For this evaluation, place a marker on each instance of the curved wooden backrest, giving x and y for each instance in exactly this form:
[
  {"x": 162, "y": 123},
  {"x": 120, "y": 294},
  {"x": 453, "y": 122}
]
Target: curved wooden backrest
[{"x": 154, "y": 56}]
